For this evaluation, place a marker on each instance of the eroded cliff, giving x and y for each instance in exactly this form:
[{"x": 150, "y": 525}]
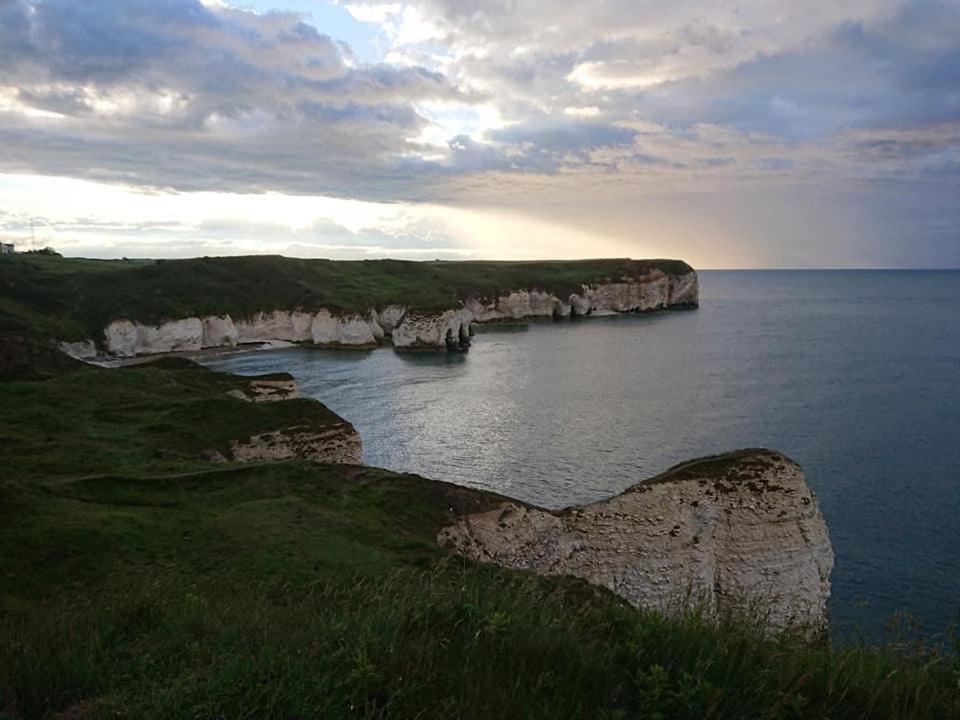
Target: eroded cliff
[
  {"x": 653, "y": 290},
  {"x": 740, "y": 530},
  {"x": 551, "y": 291}
]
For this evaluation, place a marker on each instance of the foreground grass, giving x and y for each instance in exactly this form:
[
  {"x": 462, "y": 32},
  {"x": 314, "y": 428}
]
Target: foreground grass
[
  {"x": 448, "y": 642},
  {"x": 71, "y": 299},
  {"x": 162, "y": 415},
  {"x": 139, "y": 581}
]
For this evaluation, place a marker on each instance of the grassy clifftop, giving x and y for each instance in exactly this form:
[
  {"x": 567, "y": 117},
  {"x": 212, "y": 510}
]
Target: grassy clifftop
[
  {"x": 138, "y": 580},
  {"x": 75, "y": 298}
]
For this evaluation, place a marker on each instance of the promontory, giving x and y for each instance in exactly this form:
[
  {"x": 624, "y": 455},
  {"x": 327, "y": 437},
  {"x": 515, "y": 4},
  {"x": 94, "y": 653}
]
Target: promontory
[{"x": 125, "y": 308}]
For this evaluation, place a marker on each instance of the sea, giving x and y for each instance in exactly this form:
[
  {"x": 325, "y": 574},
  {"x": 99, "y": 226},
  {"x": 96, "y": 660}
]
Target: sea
[{"x": 853, "y": 374}]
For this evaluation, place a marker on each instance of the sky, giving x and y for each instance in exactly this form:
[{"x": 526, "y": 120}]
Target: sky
[{"x": 729, "y": 133}]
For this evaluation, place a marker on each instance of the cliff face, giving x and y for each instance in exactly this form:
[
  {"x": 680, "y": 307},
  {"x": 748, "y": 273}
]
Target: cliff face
[
  {"x": 449, "y": 330},
  {"x": 740, "y": 530},
  {"x": 125, "y": 339},
  {"x": 653, "y": 289}
]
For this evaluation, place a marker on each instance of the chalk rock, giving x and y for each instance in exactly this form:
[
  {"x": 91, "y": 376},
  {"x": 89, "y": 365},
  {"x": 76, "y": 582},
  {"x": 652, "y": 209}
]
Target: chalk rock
[
  {"x": 579, "y": 306},
  {"x": 449, "y": 330},
  {"x": 176, "y": 335},
  {"x": 389, "y": 317},
  {"x": 349, "y": 330},
  {"x": 356, "y": 331},
  {"x": 120, "y": 338},
  {"x": 272, "y": 388},
  {"x": 653, "y": 290},
  {"x": 126, "y": 339},
  {"x": 219, "y": 331},
  {"x": 337, "y": 443},
  {"x": 684, "y": 291},
  {"x": 741, "y": 530},
  {"x": 82, "y": 350},
  {"x": 292, "y": 326},
  {"x": 517, "y": 305},
  {"x": 373, "y": 320},
  {"x": 606, "y": 298}
]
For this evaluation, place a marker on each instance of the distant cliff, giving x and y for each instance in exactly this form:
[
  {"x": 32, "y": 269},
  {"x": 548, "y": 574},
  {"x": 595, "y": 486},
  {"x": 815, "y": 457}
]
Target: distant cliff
[{"x": 124, "y": 308}]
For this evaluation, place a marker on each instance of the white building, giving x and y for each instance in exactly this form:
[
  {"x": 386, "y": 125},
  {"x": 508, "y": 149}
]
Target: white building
[{"x": 7, "y": 248}]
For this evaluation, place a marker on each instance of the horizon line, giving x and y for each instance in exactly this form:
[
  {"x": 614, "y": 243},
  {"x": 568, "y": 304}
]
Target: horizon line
[{"x": 807, "y": 268}]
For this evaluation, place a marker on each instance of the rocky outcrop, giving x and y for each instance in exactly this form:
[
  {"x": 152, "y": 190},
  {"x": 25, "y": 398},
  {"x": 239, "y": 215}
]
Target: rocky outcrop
[
  {"x": 220, "y": 331},
  {"x": 267, "y": 388},
  {"x": 655, "y": 290},
  {"x": 120, "y": 338},
  {"x": 448, "y": 330},
  {"x": 644, "y": 289},
  {"x": 338, "y": 443},
  {"x": 128, "y": 339},
  {"x": 293, "y": 326},
  {"x": 81, "y": 350},
  {"x": 684, "y": 291},
  {"x": 326, "y": 438},
  {"x": 517, "y": 305},
  {"x": 344, "y": 331},
  {"x": 389, "y": 317},
  {"x": 738, "y": 530},
  {"x": 125, "y": 339}
]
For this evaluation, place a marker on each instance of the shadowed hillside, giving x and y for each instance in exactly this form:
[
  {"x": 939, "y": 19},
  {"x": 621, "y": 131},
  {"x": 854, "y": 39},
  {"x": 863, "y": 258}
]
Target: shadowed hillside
[{"x": 143, "y": 580}]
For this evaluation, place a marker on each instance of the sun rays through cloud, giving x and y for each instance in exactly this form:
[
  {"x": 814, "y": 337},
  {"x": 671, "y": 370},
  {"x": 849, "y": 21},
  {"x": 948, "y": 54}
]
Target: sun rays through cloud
[{"x": 748, "y": 134}]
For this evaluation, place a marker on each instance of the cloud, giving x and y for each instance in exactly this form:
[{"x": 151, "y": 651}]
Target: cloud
[
  {"x": 526, "y": 107},
  {"x": 194, "y": 96},
  {"x": 175, "y": 93}
]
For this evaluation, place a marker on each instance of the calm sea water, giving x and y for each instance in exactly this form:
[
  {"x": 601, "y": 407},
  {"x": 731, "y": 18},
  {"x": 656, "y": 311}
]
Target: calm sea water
[{"x": 854, "y": 374}]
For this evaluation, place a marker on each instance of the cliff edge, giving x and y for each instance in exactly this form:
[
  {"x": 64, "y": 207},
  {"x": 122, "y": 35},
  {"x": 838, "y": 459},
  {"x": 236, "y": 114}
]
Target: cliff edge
[
  {"x": 736, "y": 531},
  {"x": 123, "y": 309}
]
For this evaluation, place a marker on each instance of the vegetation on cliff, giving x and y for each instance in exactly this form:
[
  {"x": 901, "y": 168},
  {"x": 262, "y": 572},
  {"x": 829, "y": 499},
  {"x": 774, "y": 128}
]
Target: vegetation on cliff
[
  {"x": 72, "y": 299},
  {"x": 139, "y": 580}
]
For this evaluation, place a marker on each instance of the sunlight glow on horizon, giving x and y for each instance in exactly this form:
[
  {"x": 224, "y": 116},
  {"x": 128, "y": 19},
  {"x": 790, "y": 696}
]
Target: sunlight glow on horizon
[{"x": 721, "y": 134}]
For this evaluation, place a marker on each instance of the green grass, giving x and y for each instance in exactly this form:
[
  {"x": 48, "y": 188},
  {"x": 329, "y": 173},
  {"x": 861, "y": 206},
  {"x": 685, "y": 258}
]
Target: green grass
[
  {"x": 162, "y": 415},
  {"x": 71, "y": 299},
  {"x": 139, "y": 581}
]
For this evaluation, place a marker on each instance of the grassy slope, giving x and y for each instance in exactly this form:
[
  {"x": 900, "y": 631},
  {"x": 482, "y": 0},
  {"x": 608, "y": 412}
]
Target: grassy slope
[
  {"x": 138, "y": 581},
  {"x": 73, "y": 298}
]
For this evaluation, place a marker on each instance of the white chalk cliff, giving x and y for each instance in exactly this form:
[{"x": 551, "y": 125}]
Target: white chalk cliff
[
  {"x": 654, "y": 291},
  {"x": 125, "y": 338},
  {"x": 82, "y": 350},
  {"x": 447, "y": 330},
  {"x": 738, "y": 530},
  {"x": 409, "y": 330}
]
